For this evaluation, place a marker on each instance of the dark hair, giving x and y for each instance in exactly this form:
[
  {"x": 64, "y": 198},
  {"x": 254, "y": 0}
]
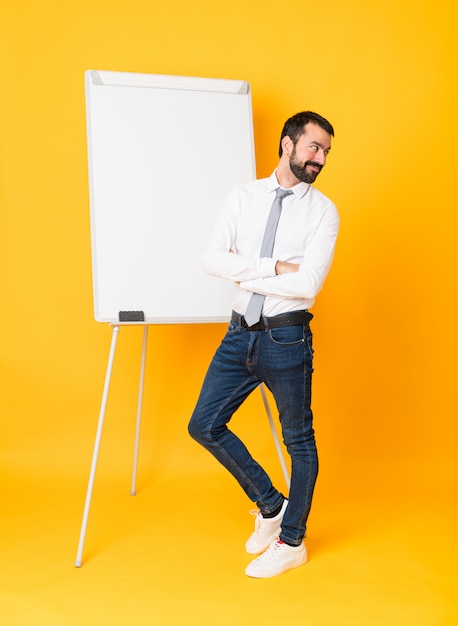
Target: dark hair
[{"x": 295, "y": 126}]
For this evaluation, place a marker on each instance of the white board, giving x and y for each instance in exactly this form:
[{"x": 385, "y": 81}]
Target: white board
[{"x": 163, "y": 151}]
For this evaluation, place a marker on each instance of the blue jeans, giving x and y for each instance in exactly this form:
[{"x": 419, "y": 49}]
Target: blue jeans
[{"x": 281, "y": 358}]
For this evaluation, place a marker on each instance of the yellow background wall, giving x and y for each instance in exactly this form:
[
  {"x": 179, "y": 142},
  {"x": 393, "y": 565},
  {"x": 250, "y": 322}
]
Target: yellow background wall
[{"x": 384, "y": 73}]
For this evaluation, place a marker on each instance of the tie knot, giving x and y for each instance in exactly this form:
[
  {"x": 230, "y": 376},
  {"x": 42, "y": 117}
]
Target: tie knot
[{"x": 282, "y": 193}]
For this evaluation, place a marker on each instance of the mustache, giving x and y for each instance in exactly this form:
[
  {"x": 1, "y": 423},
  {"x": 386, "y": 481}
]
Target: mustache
[{"x": 314, "y": 164}]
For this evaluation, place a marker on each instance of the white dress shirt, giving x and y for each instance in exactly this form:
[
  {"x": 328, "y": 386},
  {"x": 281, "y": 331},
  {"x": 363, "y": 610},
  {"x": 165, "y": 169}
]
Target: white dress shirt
[{"x": 306, "y": 235}]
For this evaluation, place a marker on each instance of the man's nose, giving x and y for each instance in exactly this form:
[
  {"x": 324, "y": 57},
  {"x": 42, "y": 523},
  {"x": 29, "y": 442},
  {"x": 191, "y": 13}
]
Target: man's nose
[{"x": 321, "y": 157}]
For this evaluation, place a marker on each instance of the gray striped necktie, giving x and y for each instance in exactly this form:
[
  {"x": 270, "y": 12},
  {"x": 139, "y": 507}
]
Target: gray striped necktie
[{"x": 254, "y": 308}]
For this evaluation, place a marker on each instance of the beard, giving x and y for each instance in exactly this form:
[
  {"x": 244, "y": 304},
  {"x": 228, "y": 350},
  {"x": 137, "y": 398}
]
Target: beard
[{"x": 301, "y": 172}]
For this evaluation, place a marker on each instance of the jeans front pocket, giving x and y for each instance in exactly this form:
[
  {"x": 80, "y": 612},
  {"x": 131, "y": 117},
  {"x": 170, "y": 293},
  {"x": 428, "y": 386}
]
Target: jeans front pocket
[
  {"x": 287, "y": 336},
  {"x": 233, "y": 328}
]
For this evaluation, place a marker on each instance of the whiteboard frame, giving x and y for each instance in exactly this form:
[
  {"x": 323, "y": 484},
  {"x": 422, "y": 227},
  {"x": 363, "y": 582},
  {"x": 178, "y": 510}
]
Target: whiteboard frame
[{"x": 162, "y": 84}]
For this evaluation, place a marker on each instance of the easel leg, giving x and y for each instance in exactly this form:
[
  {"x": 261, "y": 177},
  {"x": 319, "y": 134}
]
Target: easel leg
[
  {"x": 95, "y": 453},
  {"x": 275, "y": 436},
  {"x": 133, "y": 488}
]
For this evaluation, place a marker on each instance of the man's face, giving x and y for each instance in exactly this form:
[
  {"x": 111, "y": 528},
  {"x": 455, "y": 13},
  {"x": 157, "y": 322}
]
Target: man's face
[{"x": 309, "y": 153}]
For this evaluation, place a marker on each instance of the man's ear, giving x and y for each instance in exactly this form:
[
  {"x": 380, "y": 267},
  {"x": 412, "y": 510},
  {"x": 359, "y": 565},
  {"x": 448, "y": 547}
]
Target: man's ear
[{"x": 287, "y": 145}]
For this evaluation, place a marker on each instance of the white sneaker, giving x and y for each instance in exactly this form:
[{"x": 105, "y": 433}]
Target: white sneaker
[
  {"x": 278, "y": 558},
  {"x": 265, "y": 529}
]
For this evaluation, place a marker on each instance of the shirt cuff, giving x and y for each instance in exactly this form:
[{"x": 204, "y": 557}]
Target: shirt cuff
[{"x": 267, "y": 267}]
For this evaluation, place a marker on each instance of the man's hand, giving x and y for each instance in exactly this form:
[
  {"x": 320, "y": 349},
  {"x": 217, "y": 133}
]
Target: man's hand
[{"x": 283, "y": 267}]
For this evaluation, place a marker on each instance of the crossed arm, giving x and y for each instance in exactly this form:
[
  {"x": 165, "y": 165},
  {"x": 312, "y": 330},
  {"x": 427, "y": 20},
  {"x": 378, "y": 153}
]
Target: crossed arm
[
  {"x": 283, "y": 267},
  {"x": 230, "y": 255}
]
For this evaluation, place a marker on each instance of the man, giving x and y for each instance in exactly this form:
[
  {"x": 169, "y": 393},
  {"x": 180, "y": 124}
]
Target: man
[{"x": 277, "y": 349}]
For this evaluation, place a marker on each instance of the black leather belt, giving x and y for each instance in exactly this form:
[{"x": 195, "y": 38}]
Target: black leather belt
[{"x": 277, "y": 321}]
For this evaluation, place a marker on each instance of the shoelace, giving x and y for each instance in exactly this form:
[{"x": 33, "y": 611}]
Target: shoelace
[
  {"x": 258, "y": 519},
  {"x": 272, "y": 551}
]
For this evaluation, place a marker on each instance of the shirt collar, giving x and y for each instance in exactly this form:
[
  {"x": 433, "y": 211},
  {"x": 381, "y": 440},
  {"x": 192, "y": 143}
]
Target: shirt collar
[{"x": 299, "y": 190}]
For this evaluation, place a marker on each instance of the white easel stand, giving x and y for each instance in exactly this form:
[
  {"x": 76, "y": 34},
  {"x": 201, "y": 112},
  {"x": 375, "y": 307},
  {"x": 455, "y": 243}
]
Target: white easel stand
[{"x": 95, "y": 454}]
